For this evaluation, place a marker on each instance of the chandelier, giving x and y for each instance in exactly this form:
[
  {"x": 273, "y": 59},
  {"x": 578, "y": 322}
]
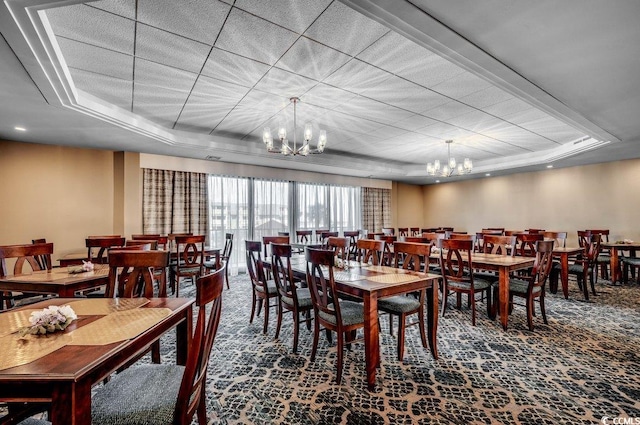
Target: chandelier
[
  {"x": 285, "y": 148},
  {"x": 450, "y": 166}
]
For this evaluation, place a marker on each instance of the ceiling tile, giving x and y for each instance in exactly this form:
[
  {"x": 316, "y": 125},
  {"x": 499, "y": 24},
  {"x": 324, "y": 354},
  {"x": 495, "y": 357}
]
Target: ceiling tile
[
  {"x": 157, "y": 104},
  {"x": 241, "y": 121},
  {"x": 285, "y": 84},
  {"x": 255, "y": 38},
  {"x": 373, "y": 110},
  {"x": 311, "y": 59},
  {"x": 351, "y": 123},
  {"x": 197, "y": 20},
  {"x": 392, "y": 90},
  {"x": 356, "y": 76},
  {"x": 96, "y": 59},
  {"x": 486, "y": 97},
  {"x": 461, "y": 85},
  {"x": 394, "y": 53},
  {"x": 431, "y": 71},
  {"x": 125, "y": 8},
  {"x": 448, "y": 110},
  {"x": 327, "y": 96},
  {"x": 263, "y": 101},
  {"x": 345, "y": 30},
  {"x": 295, "y": 15},
  {"x": 414, "y": 122},
  {"x": 507, "y": 108},
  {"x": 234, "y": 68},
  {"x": 221, "y": 91},
  {"x": 158, "y": 75},
  {"x": 170, "y": 49},
  {"x": 388, "y": 132},
  {"x": 114, "y": 91},
  {"x": 93, "y": 26},
  {"x": 201, "y": 114}
]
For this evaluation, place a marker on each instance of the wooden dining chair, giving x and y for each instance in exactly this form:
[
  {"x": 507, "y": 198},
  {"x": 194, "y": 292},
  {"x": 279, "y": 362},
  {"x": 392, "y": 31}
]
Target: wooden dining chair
[
  {"x": 263, "y": 291},
  {"x": 370, "y": 251},
  {"x": 414, "y": 231},
  {"x": 164, "y": 393},
  {"x": 585, "y": 265},
  {"x": 389, "y": 231},
  {"x": 340, "y": 246},
  {"x": 559, "y": 238},
  {"x": 497, "y": 245},
  {"x": 24, "y": 255},
  {"x": 604, "y": 257},
  {"x": 458, "y": 275},
  {"x": 526, "y": 243},
  {"x": 161, "y": 241},
  {"x": 324, "y": 238},
  {"x": 268, "y": 240},
  {"x": 531, "y": 287},
  {"x": 43, "y": 260},
  {"x": 407, "y": 256},
  {"x": 290, "y": 296},
  {"x": 331, "y": 312},
  {"x": 353, "y": 236},
  {"x": 225, "y": 257},
  {"x": 387, "y": 252},
  {"x": 102, "y": 244},
  {"x": 304, "y": 236},
  {"x": 189, "y": 263},
  {"x": 403, "y": 231},
  {"x": 142, "y": 244},
  {"x": 132, "y": 273},
  {"x": 318, "y": 233}
]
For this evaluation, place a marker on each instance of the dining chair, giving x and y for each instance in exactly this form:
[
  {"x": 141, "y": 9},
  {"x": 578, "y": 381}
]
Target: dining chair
[
  {"x": 225, "y": 256},
  {"x": 458, "y": 275},
  {"x": 340, "y": 246},
  {"x": 189, "y": 252},
  {"x": 268, "y": 240},
  {"x": 407, "y": 256},
  {"x": 370, "y": 251},
  {"x": 132, "y": 273},
  {"x": 629, "y": 263},
  {"x": 403, "y": 231},
  {"x": 512, "y": 232},
  {"x": 534, "y": 231},
  {"x": 585, "y": 265},
  {"x": 497, "y": 245},
  {"x": 43, "y": 260},
  {"x": 142, "y": 244},
  {"x": 559, "y": 238},
  {"x": 161, "y": 241},
  {"x": 324, "y": 238},
  {"x": 318, "y": 233},
  {"x": 290, "y": 296},
  {"x": 604, "y": 257},
  {"x": 531, "y": 287},
  {"x": 390, "y": 231},
  {"x": 102, "y": 244},
  {"x": 263, "y": 290},
  {"x": 526, "y": 243},
  {"x": 428, "y": 229},
  {"x": 353, "y": 236},
  {"x": 304, "y": 236},
  {"x": 414, "y": 231},
  {"x": 332, "y": 313},
  {"x": 387, "y": 252},
  {"x": 23, "y": 255},
  {"x": 163, "y": 393},
  {"x": 493, "y": 230}
]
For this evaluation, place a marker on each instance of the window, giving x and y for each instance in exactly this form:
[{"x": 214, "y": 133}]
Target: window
[
  {"x": 345, "y": 208},
  {"x": 270, "y": 208},
  {"x": 312, "y": 206}
]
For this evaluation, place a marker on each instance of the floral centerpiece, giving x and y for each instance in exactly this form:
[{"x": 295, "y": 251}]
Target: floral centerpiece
[{"x": 50, "y": 319}]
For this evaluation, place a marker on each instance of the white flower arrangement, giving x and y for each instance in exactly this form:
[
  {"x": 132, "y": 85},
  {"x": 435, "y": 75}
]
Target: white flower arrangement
[{"x": 50, "y": 319}]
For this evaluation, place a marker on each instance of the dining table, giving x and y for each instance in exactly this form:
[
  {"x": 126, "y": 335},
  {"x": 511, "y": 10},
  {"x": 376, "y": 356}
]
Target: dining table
[
  {"x": 60, "y": 368},
  {"x": 77, "y": 257},
  {"x": 564, "y": 253},
  {"x": 614, "y": 260},
  {"x": 62, "y": 281},
  {"x": 372, "y": 282}
]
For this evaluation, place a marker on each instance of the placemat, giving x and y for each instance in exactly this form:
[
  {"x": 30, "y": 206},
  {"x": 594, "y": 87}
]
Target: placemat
[
  {"x": 345, "y": 276},
  {"x": 104, "y": 306},
  {"x": 393, "y": 278},
  {"x": 385, "y": 269},
  {"x": 118, "y": 326},
  {"x": 17, "y": 351}
]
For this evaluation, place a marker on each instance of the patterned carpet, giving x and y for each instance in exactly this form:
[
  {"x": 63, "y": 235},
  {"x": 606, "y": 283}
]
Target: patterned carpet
[{"x": 581, "y": 367}]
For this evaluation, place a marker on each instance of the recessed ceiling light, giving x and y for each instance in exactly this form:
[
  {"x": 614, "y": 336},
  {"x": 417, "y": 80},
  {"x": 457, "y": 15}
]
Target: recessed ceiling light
[
  {"x": 20, "y": 128},
  {"x": 549, "y": 166},
  {"x": 488, "y": 174}
]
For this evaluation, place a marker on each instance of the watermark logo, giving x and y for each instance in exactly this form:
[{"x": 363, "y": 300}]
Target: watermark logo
[{"x": 619, "y": 420}]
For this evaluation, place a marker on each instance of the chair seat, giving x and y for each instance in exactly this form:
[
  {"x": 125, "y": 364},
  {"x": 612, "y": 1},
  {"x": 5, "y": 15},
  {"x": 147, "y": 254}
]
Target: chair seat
[
  {"x": 478, "y": 284},
  {"x": 186, "y": 271},
  {"x": 603, "y": 258},
  {"x": 140, "y": 395},
  {"x": 520, "y": 287},
  {"x": 210, "y": 265},
  {"x": 352, "y": 313},
  {"x": 304, "y": 298},
  {"x": 271, "y": 287},
  {"x": 632, "y": 261},
  {"x": 575, "y": 268},
  {"x": 398, "y": 304}
]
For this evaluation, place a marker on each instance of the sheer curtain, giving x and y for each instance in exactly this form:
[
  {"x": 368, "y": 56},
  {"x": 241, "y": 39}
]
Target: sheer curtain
[
  {"x": 270, "y": 208},
  {"x": 312, "y": 206},
  {"x": 376, "y": 209},
  {"x": 346, "y": 212},
  {"x": 174, "y": 202},
  {"x": 229, "y": 213}
]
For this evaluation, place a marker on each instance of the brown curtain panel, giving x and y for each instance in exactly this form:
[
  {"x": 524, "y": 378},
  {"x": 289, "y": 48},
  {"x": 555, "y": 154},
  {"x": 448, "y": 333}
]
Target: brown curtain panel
[
  {"x": 376, "y": 209},
  {"x": 174, "y": 202}
]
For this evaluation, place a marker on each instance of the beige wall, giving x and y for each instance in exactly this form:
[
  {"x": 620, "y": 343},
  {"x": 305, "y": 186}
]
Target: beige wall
[
  {"x": 407, "y": 205},
  {"x": 594, "y": 196},
  {"x": 58, "y": 193}
]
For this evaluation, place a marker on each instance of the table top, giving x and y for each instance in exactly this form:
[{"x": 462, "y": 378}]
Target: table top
[
  {"x": 104, "y": 328},
  {"x": 59, "y": 276},
  {"x": 567, "y": 250},
  {"x": 626, "y": 245}
]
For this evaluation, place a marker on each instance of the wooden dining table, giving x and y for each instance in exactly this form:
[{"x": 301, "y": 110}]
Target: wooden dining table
[
  {"x": 61, "y": 281},
  {"x": 61, "y": 367},
  {"x": 370, "y": 283},
  {"x": 614, "y": 261}
]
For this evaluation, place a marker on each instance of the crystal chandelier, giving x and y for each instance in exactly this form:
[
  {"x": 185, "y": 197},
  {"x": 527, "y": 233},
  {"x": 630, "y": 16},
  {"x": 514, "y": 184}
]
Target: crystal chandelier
[
  {"x": 285, "y": 148},
  {"x": 450, "y": 166}
]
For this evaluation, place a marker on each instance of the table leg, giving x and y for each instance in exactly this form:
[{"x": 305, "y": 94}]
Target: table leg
[
  {"x": 432, "y": 318},
  {"x": 564, "y": 274},
  {"x": 184, "y": 330},
  {"x": 504, "y": 296},
  {"x": 614, "y": 265},
  {"x": 371, "y": 338},
  {"x": 71, "y": 403}
]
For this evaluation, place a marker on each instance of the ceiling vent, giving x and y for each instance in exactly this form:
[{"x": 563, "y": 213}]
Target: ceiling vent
[{"x": 212, "y": 158}]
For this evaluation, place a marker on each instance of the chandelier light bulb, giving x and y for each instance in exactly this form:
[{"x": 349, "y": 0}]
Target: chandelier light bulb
[
  {"x": 282, "y": 133},
  {"x": 308, "y": 132}
]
